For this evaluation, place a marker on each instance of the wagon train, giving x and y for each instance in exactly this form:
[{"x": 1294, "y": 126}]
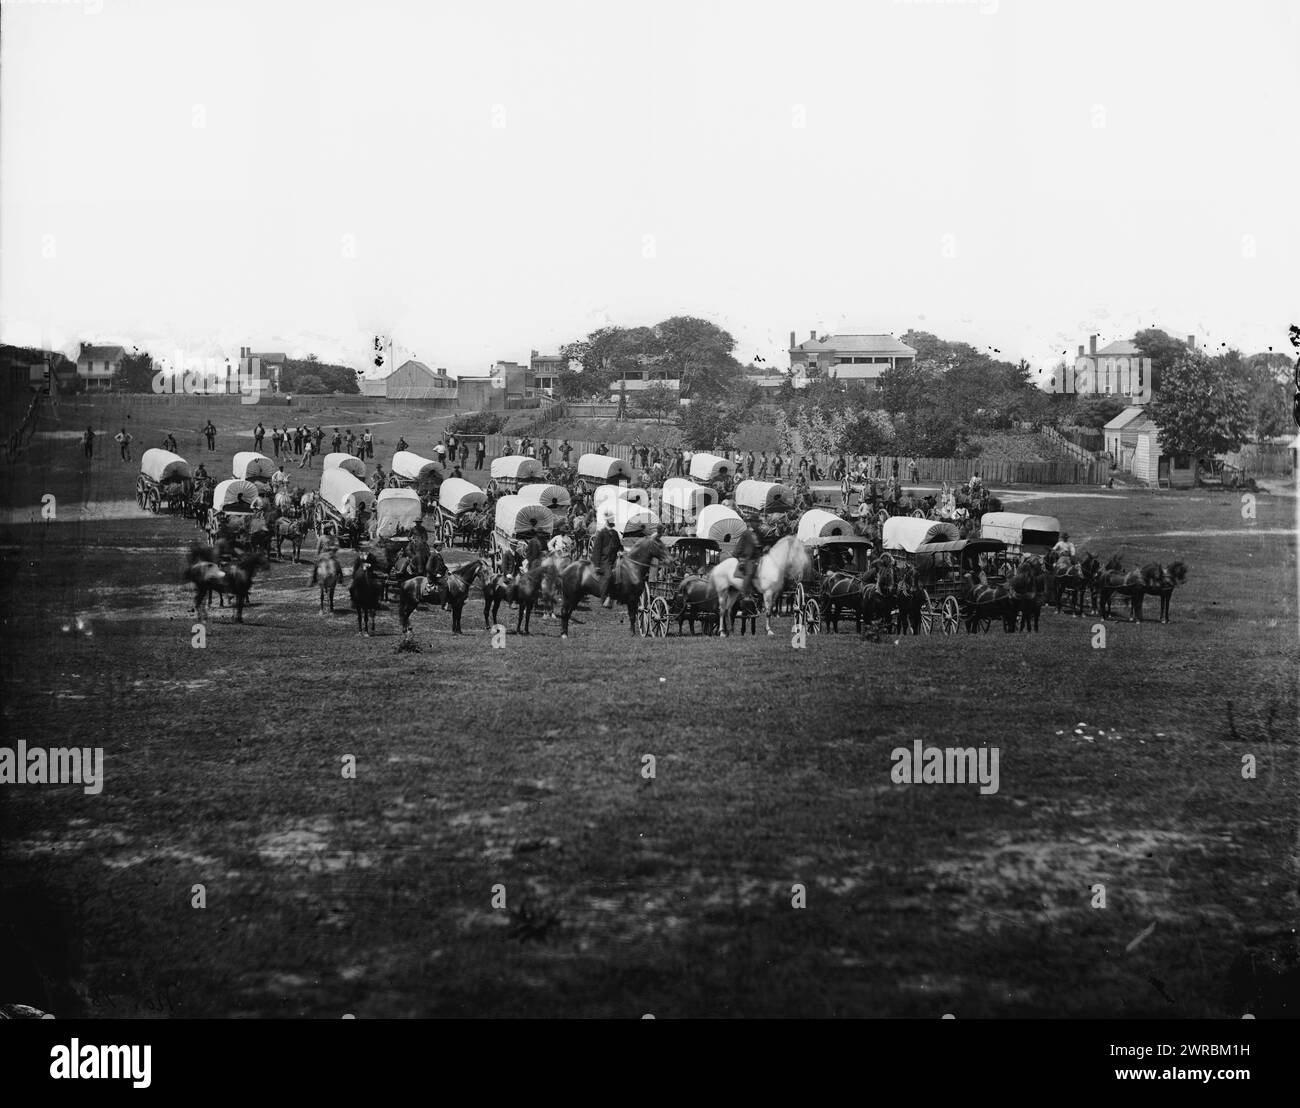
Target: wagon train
[
  {"x": 663, "y": 596},
  {"x": 682, "y": 503},
  {"x": 349, "y": 462},
  {"x": 517, "y": 520},
  {"x": 941, "y": 558},
  {"x": 257, "y": 468},
  {"x": 511, "y": 473},
  {"x": 461, "y": 506},
  {"x": 423, "y": 475},
  {"x": 595, "y": 470},
  {"x": 164, "y": 477},
  {"x": 345, "y": 502}
]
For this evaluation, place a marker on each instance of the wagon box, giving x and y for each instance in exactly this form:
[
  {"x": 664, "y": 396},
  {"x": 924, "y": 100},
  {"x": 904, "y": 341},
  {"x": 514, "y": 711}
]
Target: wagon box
[
  {"x": 619, "y": 492},
  {"x": 349, "y": 462},
  {"x": 516, "y": 467},
  {"x": 719, "y": 523},
  {"x": 162, "y": 473},
  {"x": 517, "y": 518},
  {"x": 683, "y": 500},
  {"x": 1022, "y": 533},
  {"x": 234, "y": 496},
  {"x": 457, "y": 495},
  {"x": 249, "y": 465},
  {"x": 410, "y": 468},
  {"x": 757, "y": 497},
  {"x": 907, "y": 533},
  {"x": 604, "y": 468},
  {"x": 344, "y": 493},
  {"x": 555, "y": 497},
  {"x": 397, "y": 510},
  {"x": 707, "y": 468},
  {"x": 817, "y": 524}
]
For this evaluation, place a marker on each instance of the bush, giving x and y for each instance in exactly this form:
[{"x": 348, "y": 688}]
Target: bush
[{"x": 478, "y": 423}]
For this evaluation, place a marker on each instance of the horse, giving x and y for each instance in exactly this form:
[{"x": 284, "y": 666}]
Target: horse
[
  {"x": 1160, "y": 581},
  {"x": 292, "y": 531},
  {"x": 326, "y": 574},
  {"x": 525, "y": 592},
  {"x": 1069, "y": 577},
  {"x": 909, "y": 599},
  {"x": 786, "y": 563},
  {"x": 364, "y": 591},
  {"x": 453, "y": 591},
  {"x": 694, "y": 599},
  {"x": 987, "y": 602},
  {"x": 414, "y": 590},
  {"x": 627, "y": 579},
  {"x": 1028, "y": 584},
  {"x": 870, "y": 596},
  {"x": 237, "y": 580}
]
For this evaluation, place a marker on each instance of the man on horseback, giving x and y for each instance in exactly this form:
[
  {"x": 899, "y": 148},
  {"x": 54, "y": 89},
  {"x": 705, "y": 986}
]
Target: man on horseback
[
  {"x": 748, "y": 551},
  {"x": 605, "y": 549},
  {"x": 1064, "y": 546}
]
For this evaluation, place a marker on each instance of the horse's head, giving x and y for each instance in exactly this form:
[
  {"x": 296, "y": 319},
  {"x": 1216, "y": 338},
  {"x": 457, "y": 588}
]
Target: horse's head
[
  {"x": 1177, "y": 572},
  {"x": 1115, "y": 563},
  {"x": 649, "y": 549}
]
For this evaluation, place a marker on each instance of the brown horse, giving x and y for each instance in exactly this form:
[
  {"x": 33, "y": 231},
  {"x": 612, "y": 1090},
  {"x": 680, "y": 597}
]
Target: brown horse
[
  {"x": 327, "y": 575},
  {"x": 1161, "y": 580},
  {"x": 292, "y": 531},
  {"x": 579, "y": 579},
  {"x": 1028, "y": 584},
  {"x": 694, "y": 600},
  {"x": 523, "y": 590},
  {"x": 413, "y": 591},
  {"x": 235, "y": 581},
  {"x": 364, "y": 590},
  {"x": 985, "y": 603},
  {"x": 453, "y": 591}
]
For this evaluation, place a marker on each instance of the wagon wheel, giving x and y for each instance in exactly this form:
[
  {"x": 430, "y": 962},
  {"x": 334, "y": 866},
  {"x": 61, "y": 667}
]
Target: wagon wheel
[
  {"x": 139, "y": 492},
  {"x": 812, "y": 617},
  {"x": 882, "y": 517},
  {"x": 643, "y": 612},
  {"x": 929, "y": 612},
  {"x": 951, "y": 615},
  {"x": 153, "y": 500},
  {"x": 917, "y": 513},
  {"x": 659, "y": 617},
  {"x": 800, "y": 600},
  {"x": 448, "y": 534}
]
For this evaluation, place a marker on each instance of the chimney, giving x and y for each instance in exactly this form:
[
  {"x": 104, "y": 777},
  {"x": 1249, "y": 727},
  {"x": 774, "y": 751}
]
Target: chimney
[
  {"x": 792, "y": 342},
  {"x": 1080, "y": 350},
  {"x": 1092, "y": 344},
  {"x": 1191, "y": 341},
  {"x": 812, "y": 336}
]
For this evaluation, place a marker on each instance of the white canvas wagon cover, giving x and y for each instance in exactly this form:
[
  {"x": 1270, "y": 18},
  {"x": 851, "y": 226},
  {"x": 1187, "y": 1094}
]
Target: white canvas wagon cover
[
  {"x": 764, "y": 496},
  {"x": 619, "y": 492},
  {"x": 719, "y": 523},
  {"x": 520, "y": 518},
  {"x": 251, "y": 466},
  {"x": 226, "y": 495},
  {"x": 555, "y": 497},
  {"x": 344, "y": 493},
  {"x": 458, "y": 495},
  {"x": 1015, "y": 529},
  {"x": 163, "y": 465},
  {"x": 349, "y": 462},
  {"x": 629, "y": 518},
  {"x": 396, "y": 508},
  {"x": 683, "y": 497},
  {"x": 908, "y": 532},
  {"x": 709, "y": 467},
  {"x": 820, "y": 524},
  {"x": 517, "y": 467},
  {"x": 412, "y": 467},
  {"x": 604, "y": 467}
]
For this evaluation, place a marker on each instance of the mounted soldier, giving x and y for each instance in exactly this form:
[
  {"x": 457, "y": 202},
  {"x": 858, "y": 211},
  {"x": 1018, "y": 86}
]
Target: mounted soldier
[{"x": 606, "y": 547}]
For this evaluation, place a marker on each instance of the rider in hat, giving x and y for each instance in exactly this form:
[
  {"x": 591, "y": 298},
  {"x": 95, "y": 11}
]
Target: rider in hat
[
  {"x": 605, "y": 549},
  {"x": 747, "y": 552}
]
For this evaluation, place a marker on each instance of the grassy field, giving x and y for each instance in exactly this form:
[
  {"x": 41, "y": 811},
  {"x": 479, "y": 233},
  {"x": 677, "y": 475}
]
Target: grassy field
[{"x": 523, "y": 766}]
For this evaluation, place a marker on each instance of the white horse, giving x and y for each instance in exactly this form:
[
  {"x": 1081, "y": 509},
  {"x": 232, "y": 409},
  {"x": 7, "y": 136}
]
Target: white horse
[{"x": 786, "y": 563}]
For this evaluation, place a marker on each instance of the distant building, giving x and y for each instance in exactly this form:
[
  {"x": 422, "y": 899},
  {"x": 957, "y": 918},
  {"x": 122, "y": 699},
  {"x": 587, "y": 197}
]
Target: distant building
[
  {"x": 859, "y": 360},
  {"x": 1120, "y": 436},
  {"x": 1156, "y": 468},
  {"x": 412, "y": 380},
  {"x": 545, "y": 370},
  {"x": 98, "y": 365}
]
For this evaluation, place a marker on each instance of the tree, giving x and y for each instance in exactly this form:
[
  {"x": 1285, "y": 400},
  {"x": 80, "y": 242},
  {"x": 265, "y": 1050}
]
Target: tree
[
  {"x": 309, "y": 384},
  {"x": 928, "y": 433},
  {"x": 705, "y": 426},
  {"x": 698, "y": 354},
  {"x": 657, "y": 401},
  {"x": 906, "y": 387},
  {"x": 1097, "y": 411},
  {"x": 136, "y": 372},
  {"x": 1201, "y": 408},
  {"x": 1163, "y": 350},
  {"x": 1266, "y": 379}
]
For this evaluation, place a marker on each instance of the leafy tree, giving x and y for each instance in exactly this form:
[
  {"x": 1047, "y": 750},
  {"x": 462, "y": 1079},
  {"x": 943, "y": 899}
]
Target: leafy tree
[
  {"x": 906, "y": 387},
  {"x": 1096, "y": 411},
  {"x": 705, "y": 426},
  {"x": 928, "y": 433},
  {"x": 1163, "y": 350},
  {"x": 1267, "y": 381},
  {"x": 135, "y": 374},
  {"x": 697, "y": 353},
  {"x": 1200, "y": 408},
  {"x": 309, "y": 384},
  {"x": 872, "y": 432},
  {"x": 478, "y": 423}
]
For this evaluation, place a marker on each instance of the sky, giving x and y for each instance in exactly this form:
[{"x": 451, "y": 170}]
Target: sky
[{"x": 478, "y": 181}]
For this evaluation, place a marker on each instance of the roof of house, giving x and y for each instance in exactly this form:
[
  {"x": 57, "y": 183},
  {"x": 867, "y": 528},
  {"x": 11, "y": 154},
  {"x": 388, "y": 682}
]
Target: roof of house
[
  {"x": 857, "y": 344},
  {"x": 1127, "y": 416},
  {"x": 1145, "y": 427},
  {"x": 1120, "y": 348},
  {"x": 101, "y": 354},
  {"x": 274, "y": 357}
]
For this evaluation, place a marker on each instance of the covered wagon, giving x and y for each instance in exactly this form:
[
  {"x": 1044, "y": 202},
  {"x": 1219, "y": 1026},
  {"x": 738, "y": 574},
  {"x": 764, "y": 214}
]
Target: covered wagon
[
  {"x": 820, "y": 524},
  {"x": 517, "y": 520},
  {"x": 164, "y": 476},
  {"x": 603, "y": 469},
  {"x": 619, "y": 492},
  {"x": 1023, "y": 534},
  {"x": 460, "y": 511},
  {"x": 756, "y": 498},
  {"x": 555, "y": 497},
  {"x": 249, "y": 465},
  {"x": 683, "y": 501},
  {"x": 719, "y": 523},
  {"x": 234, "y": 496},
  {"x": 397, "y": 511},
  {"x": 511, "y": 473},
  {"x": 707, "y": 468},
  {"x": 345, "y": 502},
  {"x": 349, "y": 462}
]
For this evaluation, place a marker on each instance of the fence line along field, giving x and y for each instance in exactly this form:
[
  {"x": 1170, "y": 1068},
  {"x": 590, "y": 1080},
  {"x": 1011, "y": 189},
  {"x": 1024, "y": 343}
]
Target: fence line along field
[{"x": 295, "y": 820}]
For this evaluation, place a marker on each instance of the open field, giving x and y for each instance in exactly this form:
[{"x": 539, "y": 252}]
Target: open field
[{"x": 522, "y": 767}]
